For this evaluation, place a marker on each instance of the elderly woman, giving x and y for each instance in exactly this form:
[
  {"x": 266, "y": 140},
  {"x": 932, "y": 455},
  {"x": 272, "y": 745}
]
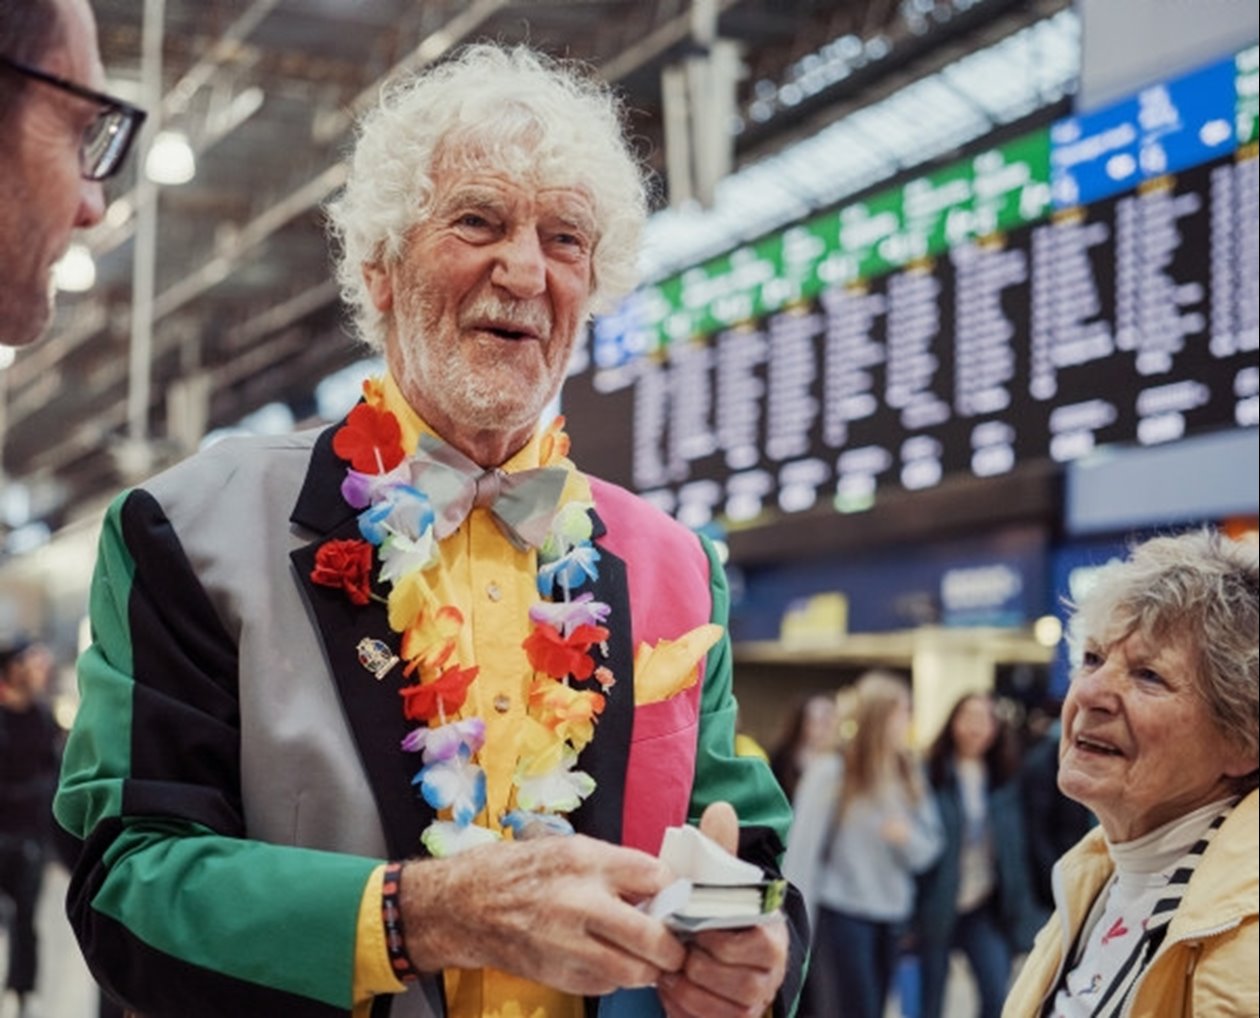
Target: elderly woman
[{"x": 1156, "y": 910}]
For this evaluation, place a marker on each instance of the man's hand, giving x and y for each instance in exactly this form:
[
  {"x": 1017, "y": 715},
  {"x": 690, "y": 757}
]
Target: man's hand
[
  {"x": 559, "y": 911},
  {"x": 728, "y": 973}
]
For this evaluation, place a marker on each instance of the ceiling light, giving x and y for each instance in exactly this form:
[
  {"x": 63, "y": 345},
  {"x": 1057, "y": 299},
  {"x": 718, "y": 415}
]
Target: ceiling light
[
  {"x": 119, "y": 212},
  {"x": 1047, "y": 631},
  {"x": 170, "y": 159},
  {"x": 7, "y": 356},
  {"x": 76, "y": 271}
]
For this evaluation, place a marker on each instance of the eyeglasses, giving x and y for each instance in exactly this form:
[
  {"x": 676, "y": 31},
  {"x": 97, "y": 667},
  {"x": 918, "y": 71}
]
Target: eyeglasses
[{"x": 108, "y": 138}]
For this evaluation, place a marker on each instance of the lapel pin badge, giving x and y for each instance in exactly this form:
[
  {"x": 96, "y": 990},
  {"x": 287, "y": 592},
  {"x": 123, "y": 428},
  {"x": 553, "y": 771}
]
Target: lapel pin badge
[{"x": 376, "y": 657}]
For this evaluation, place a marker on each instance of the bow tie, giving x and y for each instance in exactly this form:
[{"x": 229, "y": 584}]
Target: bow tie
[{"x": 522, "y": 504}]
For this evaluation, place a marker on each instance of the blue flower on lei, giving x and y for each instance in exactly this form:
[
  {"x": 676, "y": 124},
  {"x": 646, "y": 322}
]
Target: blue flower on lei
[{"x": 456, "y": 784}]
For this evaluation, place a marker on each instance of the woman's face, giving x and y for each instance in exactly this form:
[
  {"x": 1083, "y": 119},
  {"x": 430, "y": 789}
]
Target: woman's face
[
  {"x": 899, "y": 724},
  {"x": 818, "y": 731},
  {"x": 1139, "y": 747},
  {"x": 974, "y": 727}
]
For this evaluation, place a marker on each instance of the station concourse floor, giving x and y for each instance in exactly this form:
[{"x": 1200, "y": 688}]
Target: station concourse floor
[{"x": 65, "y": 989}]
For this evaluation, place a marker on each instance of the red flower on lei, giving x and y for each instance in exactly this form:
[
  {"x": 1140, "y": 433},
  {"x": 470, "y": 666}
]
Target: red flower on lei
[
  {"x": 444, "y": 695},
  {"x": 558, "y": 655},
  {"x": 371, "y": 440}
]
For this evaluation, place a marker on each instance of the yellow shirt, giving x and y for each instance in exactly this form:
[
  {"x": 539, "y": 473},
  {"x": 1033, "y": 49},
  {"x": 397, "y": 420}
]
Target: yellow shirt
[{"x": 494, "y": 585}]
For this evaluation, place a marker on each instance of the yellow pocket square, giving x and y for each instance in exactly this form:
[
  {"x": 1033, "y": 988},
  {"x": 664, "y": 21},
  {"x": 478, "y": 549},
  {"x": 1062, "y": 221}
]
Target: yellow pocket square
[{"x": 670, "y": 666}]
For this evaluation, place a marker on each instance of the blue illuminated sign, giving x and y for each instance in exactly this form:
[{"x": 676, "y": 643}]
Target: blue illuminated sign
[{"x": 1165, "y": 128}]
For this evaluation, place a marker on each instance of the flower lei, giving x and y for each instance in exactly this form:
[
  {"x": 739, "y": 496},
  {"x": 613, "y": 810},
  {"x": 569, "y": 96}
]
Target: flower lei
[{"x": 396, "y": 523}]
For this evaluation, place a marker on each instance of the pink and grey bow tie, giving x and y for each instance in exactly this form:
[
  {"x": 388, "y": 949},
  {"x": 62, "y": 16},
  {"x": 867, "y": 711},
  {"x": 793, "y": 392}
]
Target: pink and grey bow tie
[{"x": 523, "y": 504}]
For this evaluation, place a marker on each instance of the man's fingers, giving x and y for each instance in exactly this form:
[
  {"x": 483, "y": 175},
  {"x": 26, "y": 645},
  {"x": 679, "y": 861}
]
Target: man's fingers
[{"x": 720, "y": 822}]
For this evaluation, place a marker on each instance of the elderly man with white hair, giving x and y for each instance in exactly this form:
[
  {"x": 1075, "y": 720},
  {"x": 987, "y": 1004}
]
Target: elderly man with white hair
[{"x": 392, "y": 718}]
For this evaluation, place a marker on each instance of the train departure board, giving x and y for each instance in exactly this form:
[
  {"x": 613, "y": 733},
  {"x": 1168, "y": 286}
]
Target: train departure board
[{"x": 976, "y": 318}]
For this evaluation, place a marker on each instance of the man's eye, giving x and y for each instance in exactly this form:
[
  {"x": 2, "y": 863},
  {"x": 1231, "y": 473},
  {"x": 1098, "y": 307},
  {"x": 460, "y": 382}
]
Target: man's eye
[
  {"x": 1091, "y": 659},
  {"x": 473, "y": 220},
  {"x": 1149, "y": 675}
]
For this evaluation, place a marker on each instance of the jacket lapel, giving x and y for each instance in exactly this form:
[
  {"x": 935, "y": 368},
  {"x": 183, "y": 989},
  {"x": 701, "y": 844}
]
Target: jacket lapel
[
  {"x": 605, "y": 759},
  {"x": 372, "y": 706}
]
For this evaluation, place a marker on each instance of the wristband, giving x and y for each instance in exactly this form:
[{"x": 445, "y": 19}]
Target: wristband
[{"x": 391, "y": 917}]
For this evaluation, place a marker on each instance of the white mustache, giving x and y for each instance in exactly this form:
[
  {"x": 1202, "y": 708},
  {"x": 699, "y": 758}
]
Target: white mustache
[{"x": 525, "y": 316}]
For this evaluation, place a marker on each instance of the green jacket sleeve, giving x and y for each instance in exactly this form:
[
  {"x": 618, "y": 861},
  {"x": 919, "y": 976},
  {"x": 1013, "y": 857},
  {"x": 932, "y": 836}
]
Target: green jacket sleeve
[
  {"x": 747, "y": 784},
  {"x": 176, "y": 910}
]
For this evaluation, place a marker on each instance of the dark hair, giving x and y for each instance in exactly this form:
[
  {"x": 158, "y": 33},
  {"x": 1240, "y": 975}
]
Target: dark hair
[
  {"x": 1000, "y": 759},
  {"x": 11, "y": 650},
  {"x": 28, "y": 30},
  {"x": 783, "y": 755}
]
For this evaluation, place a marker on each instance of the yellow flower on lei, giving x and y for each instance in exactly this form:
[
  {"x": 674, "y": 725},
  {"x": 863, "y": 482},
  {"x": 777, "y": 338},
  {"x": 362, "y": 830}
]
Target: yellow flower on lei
[{"x": 569, "y": 713}]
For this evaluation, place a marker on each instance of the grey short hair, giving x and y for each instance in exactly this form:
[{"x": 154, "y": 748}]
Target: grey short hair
[
  {"x": 516, "y": 108},
  {"x": 1201, "y": 589}
]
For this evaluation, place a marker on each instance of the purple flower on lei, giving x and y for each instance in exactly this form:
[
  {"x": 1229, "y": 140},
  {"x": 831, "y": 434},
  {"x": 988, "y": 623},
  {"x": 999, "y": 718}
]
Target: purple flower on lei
[
  {"x": 567, "y": 616},
  {"x": 361, "y": 490},
  {"x": 446, "y": 741}
]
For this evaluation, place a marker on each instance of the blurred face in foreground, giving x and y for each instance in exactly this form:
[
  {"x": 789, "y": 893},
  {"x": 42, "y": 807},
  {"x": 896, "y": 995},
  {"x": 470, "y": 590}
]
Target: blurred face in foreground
[
  {"x": 1139, "y": 746},
  {"x": 485, "y": 305},
  {"x": 43, "y": 196}
]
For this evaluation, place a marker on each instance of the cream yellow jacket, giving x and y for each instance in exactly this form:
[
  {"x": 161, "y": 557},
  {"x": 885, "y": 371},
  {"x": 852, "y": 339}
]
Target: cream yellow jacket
[{"x": 1207, "y": 966}]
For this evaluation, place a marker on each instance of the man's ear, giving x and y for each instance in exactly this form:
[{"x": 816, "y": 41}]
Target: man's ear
[{"x": 380, "y": 285}]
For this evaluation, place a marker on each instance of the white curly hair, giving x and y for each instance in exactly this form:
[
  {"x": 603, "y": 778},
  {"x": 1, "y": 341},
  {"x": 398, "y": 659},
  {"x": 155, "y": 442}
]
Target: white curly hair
[{"x": 514, "y": 108}]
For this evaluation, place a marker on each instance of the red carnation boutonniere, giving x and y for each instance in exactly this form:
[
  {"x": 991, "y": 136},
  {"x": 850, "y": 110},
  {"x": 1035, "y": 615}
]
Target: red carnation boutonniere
[
  {"x": 371, "y": 440},
  {"x": 346, "y": 565}
]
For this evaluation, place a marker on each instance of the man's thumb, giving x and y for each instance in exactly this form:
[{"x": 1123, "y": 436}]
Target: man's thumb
[{"x": 720, "y": 823}]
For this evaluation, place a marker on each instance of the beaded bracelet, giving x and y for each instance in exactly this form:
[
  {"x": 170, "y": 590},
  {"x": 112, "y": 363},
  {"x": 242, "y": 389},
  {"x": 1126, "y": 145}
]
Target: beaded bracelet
[{"x": 391, "y": 916}]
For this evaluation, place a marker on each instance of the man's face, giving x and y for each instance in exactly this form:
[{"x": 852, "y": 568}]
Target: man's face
[
  {"x": 43, "y": 197},
  {"x": 485, "y": 304}
]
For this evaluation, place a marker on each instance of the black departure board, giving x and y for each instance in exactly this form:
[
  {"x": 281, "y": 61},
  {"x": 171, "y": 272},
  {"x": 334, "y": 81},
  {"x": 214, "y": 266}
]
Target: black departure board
[{"x": 1131, "y": 320}]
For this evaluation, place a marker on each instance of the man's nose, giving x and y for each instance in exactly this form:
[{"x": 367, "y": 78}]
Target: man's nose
[
  {"x": 520, "y": 265},
  {"x": 91, "y": 208}
]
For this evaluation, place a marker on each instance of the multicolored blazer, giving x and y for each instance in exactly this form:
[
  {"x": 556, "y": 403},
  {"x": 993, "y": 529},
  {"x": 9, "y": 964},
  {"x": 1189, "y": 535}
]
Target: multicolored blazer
[{"x": 232, "y": 772}]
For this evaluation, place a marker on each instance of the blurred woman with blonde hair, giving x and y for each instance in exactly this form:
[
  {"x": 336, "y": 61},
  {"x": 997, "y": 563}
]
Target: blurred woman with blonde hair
[{"x": 864, "y": 826}]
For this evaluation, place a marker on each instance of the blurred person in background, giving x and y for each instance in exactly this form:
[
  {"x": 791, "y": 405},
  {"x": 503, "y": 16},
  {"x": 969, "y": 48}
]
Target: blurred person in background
[
  {"x": 809, "y": 732},
  {"x": 29, "y": 753},
  {"x": 864, "y": 825},
  {"x": 977, "y": 898},
  {"x": 63, "y": 136},
  {"x": 1053, "y": 823},
  {"x": 391, "y": 717},
  {"x": 1156, "y": 908}
]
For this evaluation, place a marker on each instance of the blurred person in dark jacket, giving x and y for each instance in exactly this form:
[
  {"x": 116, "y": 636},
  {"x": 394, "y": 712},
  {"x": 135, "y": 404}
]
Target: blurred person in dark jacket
[
  {"x": 977, "y": 898},
  {"x": 1052, "y": 821},
  {"x": 29, "y": 753}
]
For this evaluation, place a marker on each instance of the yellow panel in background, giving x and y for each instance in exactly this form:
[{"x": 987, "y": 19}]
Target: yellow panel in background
[{"x": 818, "y": 618}]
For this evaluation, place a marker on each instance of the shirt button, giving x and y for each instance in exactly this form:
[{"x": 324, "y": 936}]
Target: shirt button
[
  {"x": 494, "y": 591},
  {"x": 502, "y": 703}
]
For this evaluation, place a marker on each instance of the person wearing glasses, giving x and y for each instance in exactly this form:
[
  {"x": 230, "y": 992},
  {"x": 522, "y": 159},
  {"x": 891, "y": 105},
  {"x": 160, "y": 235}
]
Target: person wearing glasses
[{"x": 63, "y": 137}]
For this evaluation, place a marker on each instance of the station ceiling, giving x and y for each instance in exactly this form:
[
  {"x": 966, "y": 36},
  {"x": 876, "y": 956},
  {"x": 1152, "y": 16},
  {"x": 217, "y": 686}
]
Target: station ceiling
[{"x": 243, "y": 310}]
